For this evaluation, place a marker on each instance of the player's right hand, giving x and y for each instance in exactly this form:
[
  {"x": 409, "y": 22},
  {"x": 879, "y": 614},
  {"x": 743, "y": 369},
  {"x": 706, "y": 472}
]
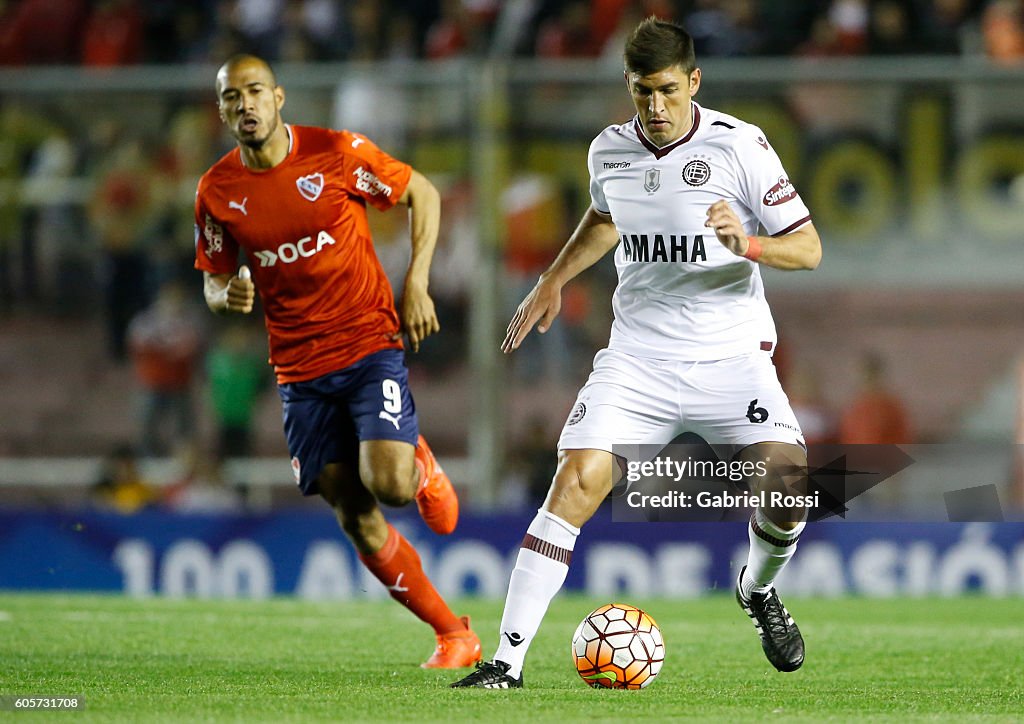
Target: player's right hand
[
  {"x": 542, "y": 305},
  {"x": 241, "y": 292}
]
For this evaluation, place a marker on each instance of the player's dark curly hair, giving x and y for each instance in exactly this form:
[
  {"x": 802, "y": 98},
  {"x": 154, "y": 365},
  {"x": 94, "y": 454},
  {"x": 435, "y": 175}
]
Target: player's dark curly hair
[{"x": 656, "y": 45}]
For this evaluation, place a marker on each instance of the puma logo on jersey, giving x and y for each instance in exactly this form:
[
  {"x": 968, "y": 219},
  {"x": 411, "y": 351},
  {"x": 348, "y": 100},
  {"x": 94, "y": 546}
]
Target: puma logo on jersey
[
  {"x": 393, "y": 419},
  {"x": 639, "y": 247},
  {"x": 239, "y": 206},
  {"x": 356, "y": 141},
  {"x": 369, "y": 183},
  {"x": 289, "y": 252},
  {"x": 398, "y": 587}
]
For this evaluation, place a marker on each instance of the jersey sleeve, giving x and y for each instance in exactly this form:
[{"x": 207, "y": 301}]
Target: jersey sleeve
[
  {"x": 216, "y": 251},
  {"x": 767, "y": 190},
  {"x": 372, "y": 174},
  {"x": 597, "y": 197}
]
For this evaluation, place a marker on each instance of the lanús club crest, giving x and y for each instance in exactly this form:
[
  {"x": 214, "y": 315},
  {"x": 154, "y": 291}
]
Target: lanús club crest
[
  {"x": 696, "y": 172},
  {"x": 652, "y": 180},
  {"x": 310, "y": 186}
]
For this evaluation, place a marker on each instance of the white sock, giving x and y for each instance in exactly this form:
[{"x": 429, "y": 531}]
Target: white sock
[
  {"x": 540, "y": 571},
  {"x": 771, "y": 547}
]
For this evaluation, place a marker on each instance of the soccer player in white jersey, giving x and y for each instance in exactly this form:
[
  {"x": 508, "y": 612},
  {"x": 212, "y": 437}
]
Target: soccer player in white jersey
[{"x": 680, "y": 192}]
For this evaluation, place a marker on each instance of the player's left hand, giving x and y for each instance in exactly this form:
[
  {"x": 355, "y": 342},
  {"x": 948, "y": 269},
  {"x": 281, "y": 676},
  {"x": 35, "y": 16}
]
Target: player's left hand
[
  {"x": 727, "y": 227},
  {"x": 419, "y": 320}
]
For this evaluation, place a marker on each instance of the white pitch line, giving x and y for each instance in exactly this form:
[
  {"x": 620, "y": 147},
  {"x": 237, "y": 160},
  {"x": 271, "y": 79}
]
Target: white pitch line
[{"x": 5, "y": 616}]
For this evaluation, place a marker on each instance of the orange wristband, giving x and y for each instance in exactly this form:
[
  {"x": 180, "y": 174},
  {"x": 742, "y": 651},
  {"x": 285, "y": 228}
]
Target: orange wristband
[{"x": 753, "y": 249}]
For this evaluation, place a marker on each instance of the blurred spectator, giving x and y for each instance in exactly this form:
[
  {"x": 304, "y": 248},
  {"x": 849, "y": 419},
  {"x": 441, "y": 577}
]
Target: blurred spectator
[
  {"x": 40, "y": 31},
  {"x": 189, "y": 144},
  {"x": 224, "y": 40},
  {"x": 326, "y": 29},
  {"x": 121, "y": 486},
  {"x": 891, "y": 30},
  {"x": 536, "y": 223},
  {"x": 725, "y": 28},
  {"x": 160, "y": 24},
  {"x": 840, "y": 30},
  {"x": 451, "y": 34},
  {"x": 57, "y": 264},
  {"x": 531, "y": 467},
  {"x": 259, "y": 24},
  {"x": 945, "y": 23},
  {"x": 822, "y": 40},
  {"x": 166, "y": 346},
  {"x": 568, "y": 35},
  {"x": 785, "y": 26},
  {"x": 191, "y": 39},
  {"x": 401, "y": 43},
  {"x": 113, "y": 34},
  {"x": 817, "y": 421},
  {"x": 202, "y": 487},
  {"x": 295, "y": 45},
  {"x": 876, "y": 416},
  {"x": 123, "y": 211},
  {"x": 850, "y": 18},
  {"x": 364, "y": 17},
  {"x": 117, "y": 32},
  {"x": 237, "y": 374},
  {"x": 22, "y": 133},
  {"x": 1002, "y": 28}
]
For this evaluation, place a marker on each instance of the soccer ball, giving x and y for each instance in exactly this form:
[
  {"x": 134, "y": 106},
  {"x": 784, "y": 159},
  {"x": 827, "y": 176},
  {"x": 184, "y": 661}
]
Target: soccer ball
[{"x": 618, "y": 646}]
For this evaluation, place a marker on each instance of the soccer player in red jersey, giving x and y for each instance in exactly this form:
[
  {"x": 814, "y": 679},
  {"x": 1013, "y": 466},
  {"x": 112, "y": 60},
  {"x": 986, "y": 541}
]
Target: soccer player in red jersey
[{"x": 293, "y": 198}]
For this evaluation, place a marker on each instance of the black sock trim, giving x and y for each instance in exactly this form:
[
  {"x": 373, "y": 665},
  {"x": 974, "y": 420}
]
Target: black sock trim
[
  {"x": 768, "y": 537},
  {"x": 533, "y": 543}
]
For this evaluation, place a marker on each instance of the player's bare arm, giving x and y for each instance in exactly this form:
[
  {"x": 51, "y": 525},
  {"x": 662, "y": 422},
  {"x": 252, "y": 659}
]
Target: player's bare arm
[
  {"x": 797, "y": 250},
  {"x": 229, "y": 293},
  {"x": 419, "y": 319},
  {"x": 594, "y": 237}
]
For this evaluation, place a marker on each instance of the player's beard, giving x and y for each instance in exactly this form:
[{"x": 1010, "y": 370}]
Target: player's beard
[{"x": 257, "y": 143}]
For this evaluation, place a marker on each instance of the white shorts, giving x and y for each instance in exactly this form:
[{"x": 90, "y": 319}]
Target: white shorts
[{"x": 631, "y": 400}]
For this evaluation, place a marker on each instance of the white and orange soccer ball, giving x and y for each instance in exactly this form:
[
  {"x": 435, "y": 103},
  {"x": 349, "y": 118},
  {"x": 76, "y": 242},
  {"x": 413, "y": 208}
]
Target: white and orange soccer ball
[{"x": 618, "y": 646}]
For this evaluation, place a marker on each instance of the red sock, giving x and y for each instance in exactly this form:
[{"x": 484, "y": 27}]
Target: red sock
[{"x": 397, "y": 566}]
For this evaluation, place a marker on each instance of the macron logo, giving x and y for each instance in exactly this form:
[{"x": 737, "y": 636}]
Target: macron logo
[{"x": 289, "y": 252}]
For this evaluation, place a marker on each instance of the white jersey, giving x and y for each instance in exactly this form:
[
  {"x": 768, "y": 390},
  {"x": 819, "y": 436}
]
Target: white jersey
[{"x": 681, "y": 294}]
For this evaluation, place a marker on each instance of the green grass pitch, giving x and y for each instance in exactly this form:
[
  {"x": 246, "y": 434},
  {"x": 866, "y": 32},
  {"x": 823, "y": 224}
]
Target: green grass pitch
[{"x": 289, "y": 660}]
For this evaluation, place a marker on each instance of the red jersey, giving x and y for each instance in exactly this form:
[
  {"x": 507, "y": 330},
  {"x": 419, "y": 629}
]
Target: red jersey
[{"x": 303, "y": 227}]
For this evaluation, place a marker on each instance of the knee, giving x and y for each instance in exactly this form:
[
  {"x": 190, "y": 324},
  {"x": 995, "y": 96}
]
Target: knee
[
  {"x": 393, "y": 485},
  {"x": 578, "y": 488}
]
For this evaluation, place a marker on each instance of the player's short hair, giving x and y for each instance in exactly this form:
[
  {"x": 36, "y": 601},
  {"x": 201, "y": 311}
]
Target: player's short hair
[
  {"x": 240, "y": 58},
  {"x": 656, "y": 45}
]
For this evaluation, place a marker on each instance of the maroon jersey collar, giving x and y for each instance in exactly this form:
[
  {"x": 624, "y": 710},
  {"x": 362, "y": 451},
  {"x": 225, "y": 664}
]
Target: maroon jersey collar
[{"x": 665, "y": 150}]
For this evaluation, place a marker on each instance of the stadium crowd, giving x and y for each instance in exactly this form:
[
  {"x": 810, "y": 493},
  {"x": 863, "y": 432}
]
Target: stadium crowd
[
  {"x": 126, "y": 32},
  {"x": 126, "y": 233}
]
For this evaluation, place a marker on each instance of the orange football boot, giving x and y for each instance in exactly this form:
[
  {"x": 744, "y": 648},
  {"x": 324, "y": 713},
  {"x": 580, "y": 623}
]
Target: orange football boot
[
  {"x": 455, "y": 650},
  {"x": 435, "y": 498}
]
